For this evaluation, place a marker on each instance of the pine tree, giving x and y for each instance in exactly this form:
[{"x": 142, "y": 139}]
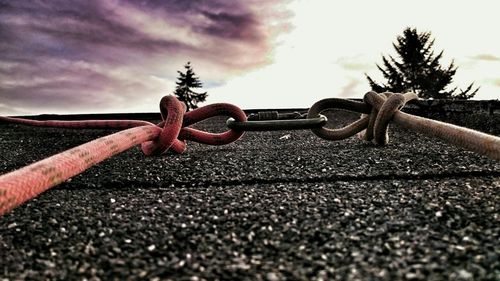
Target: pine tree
[
  {"x": 418, "y": 70},
  {"x": 183, "y": 91}
]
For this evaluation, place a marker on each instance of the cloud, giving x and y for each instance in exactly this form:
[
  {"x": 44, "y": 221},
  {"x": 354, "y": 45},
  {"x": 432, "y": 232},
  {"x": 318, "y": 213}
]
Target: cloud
[
  {"x": 356, "y": 63},
  {"x": 486, "y": 57},
  {"x": 350, "y": 89},
  {"x": 92, "y": 55},
  {"x": 496, "y": 82},
  {"x": 9, "y": 110}
]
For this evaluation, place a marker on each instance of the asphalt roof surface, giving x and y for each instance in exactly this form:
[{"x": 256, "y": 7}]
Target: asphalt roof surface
[{"x": 272, "y": 206}]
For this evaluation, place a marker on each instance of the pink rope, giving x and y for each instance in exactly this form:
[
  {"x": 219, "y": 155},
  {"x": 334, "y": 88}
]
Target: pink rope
[{"x": 24, "y": 184}]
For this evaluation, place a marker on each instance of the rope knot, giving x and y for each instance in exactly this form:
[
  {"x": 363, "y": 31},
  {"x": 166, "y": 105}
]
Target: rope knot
[
  {"x": 378, "y": 110},
  {"x": 172, "y": 114},
  {"x": 175, "y": 131},
  {"x": 383, "y": 107}
]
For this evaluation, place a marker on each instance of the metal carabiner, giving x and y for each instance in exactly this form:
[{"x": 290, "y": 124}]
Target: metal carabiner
[{"x": 277, "y": 125}]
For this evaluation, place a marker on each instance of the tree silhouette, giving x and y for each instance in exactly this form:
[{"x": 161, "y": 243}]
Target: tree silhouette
[
  {"x": 183, "y": 91},
  {"x": 419, "y": 70}
]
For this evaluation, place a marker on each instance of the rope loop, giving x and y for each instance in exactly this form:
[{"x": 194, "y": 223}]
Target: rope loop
[
  {"x": 202, "y": 113},
  {"x": 175, "y": 130},
  {"x": 377, "y": 110},
  {"x": 337, "y": 103}
]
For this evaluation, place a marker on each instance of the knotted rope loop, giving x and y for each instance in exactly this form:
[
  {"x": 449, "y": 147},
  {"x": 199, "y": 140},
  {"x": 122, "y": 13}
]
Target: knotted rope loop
[
  {"x": 377, "y": 109},
  {"x": 172, "y": 112},
  {"x": 336, "y": 103},
  {"x": 384, "y": 106},
  {"x": 205, "y": 112}
]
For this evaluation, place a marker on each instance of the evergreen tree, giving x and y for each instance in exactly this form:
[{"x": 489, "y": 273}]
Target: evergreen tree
[
  {"x": 418, "y": 70},
  {"x": 183, "y": 91}
]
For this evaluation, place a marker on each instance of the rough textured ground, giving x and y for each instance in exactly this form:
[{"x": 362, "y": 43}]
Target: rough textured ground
[{"x": 272, "y": 206}]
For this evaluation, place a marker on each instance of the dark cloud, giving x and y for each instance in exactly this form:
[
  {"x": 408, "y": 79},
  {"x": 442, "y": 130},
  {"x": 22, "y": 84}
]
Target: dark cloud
[
  {"x": 54, "y": 91},
  {"x": 227, "y": 25},
  {"x": 71, "y": 29},
  {"x": 78, "y": 54}
]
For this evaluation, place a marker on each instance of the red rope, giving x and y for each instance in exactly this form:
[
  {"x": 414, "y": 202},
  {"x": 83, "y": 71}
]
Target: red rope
[{"x": 24, "y": 184}]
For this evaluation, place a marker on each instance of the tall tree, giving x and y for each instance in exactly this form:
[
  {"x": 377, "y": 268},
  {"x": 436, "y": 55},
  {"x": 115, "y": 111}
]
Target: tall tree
[
  {"x": 418, "y": 69},
  {"x": 186, "y": 82}
]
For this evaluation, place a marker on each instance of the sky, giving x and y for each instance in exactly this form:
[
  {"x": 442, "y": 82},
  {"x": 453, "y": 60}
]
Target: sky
[{"x": 98, "y": 56}]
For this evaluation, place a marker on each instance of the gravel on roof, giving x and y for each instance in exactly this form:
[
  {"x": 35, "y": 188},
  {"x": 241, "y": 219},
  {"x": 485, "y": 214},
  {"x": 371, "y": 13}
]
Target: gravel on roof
[{"x": 272, "y": 206}]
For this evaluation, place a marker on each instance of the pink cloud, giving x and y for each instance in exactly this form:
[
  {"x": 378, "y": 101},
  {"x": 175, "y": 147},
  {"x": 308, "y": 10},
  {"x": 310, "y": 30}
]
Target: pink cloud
[{"x": 90, "y": 54}]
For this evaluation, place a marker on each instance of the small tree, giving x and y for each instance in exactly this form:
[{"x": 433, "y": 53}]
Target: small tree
[
  {"x": 419, "y": 70},
  {"x": 183, "y": 91}
]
